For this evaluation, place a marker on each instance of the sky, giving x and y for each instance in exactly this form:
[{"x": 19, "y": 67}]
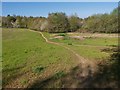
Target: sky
[
  {"x": 82, "y": 9},
  {"x": 60, "y": 0}
]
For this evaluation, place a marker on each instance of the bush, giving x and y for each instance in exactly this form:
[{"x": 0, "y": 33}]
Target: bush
[
  {"x": 38, "y": 69},
  {"x": 69, "y": 43},
  {"x": 59, "y": 75},
  {"x": 62, "y": 34}
]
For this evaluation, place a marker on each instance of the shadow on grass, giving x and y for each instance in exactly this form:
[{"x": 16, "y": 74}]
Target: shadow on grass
[
  {"x": 106, "y": 76},
  {"x": 63, "y": 80}
]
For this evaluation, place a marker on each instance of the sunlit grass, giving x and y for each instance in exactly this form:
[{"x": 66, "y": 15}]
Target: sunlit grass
[{"x": 23, "y": 50}]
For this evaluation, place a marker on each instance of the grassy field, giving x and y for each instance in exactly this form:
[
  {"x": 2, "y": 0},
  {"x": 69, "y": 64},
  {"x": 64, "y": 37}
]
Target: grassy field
[
  {"x": 94, "y": 41},
  {"x": 27, "y": 58},
  {"x": 27, "y": 52},
  {"x": 91, "y": 48}
]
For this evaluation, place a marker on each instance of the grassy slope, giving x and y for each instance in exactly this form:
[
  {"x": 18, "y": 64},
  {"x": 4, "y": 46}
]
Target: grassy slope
[{"x": 23, "y": 50}]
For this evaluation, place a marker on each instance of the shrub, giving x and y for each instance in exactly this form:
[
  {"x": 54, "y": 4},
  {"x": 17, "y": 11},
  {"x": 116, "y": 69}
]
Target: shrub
[
  {"x": 38, "y": 69},
  {"x": 62, "y": 34},
  {"x": 59, "y": 74},
  {"x": 69, "y": 43}
]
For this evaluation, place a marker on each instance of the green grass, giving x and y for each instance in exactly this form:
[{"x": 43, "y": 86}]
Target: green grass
[
  {"x": 104, "y": 41},
  {"x": 91, "y": 41},
  {"x": 23, "y": 50},
  {"x": 27, "y": 52},
  {"x": 93, "y": 51}
]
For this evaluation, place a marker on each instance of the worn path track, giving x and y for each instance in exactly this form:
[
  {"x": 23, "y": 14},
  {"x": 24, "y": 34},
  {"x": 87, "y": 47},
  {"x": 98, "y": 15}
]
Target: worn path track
[
  {"x": 85, "y": 63},
  {"x": 87, "y": 66}
]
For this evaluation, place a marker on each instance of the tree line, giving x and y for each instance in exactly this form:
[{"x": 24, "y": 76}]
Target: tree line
[{"x": 60, "y": 22}]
